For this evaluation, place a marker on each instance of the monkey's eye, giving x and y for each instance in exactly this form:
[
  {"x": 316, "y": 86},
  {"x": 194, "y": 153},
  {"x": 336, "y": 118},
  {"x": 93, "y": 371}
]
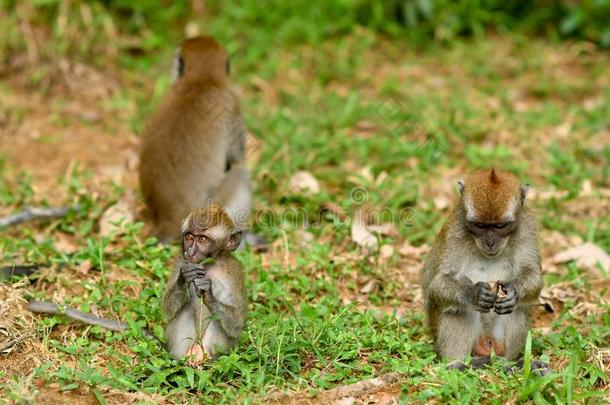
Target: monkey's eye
[
  {"x": 188, "y": 236},
  {"x": 202, "y": 238},
  {"x": 500, "y": 226}
]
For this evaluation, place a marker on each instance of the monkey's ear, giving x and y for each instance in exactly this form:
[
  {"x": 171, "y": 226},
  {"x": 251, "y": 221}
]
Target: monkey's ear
[
  {"x": 523, "y": 189},
  {"x": 234, "y": 240},
  {"x": 461, "y": 187}
]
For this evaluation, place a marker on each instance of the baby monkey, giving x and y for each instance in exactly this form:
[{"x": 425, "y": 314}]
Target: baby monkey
[
  {"x": 483, "y": 272},
  {"x": 205, "y": 302}
]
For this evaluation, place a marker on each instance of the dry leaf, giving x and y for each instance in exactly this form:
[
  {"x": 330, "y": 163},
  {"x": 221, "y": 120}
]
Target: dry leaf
[
  {"x": 369, "y": 287},
  {"x": 84, "y": 267},
  {"x": 117, "y": 214},
  {"x": 360, "y": 233},
  {"x": 304, "y": 238},
  {"x": 441, "y": 202},
  {"x": 64, "y": 243},
  {"x": 303, "y": 181},
  {"x": 413, "y": 251},
  {"x": 386, "y": 252},
  {"x": 586, "y": 256},
  {"x": 547, "y": 194}
]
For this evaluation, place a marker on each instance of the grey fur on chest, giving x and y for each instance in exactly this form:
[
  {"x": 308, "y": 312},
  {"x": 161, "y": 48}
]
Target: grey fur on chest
[{"x": 479, "y": 268}]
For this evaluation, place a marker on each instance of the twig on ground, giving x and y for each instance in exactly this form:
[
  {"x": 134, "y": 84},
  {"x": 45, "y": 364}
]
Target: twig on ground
[
  {"x": 19, "y": 270},
  {"x": 360, "y": 388},
  {"x": 13, "y": 342},
  {"x": 32, "y": 213}
]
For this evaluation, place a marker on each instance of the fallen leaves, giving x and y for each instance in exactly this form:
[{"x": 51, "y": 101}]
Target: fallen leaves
[
  {"x": 587, "y": 256},
  {"x": 361, "y": 234},
  {"x": 304, "y": 182},
  {"x": 114, "y": 218}
]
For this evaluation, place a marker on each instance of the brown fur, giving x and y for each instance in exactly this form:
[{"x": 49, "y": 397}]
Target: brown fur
[
  {"x": 491, "y": 192},
  {"x": 206, "y": 217},
  {"x": 450, "y": 316},
  {"x": 214, "y": 323},
  {"x": 194, "y": 136},
  {"x": 204, "y": 59}
]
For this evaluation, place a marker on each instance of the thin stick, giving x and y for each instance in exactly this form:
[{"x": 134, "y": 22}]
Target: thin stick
[
  {"x": 384, "y": 382},
  {"x": 360, "y": 388},
  {"x": 32, "y": 213},
  {"x": 19, "y": 270},
  {"x": 13, "y": 342}
]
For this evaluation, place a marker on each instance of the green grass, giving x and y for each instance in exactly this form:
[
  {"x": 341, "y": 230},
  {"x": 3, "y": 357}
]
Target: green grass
[{"x": 359, "y": 110}]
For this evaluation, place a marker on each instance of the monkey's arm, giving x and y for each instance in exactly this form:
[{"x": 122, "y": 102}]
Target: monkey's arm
[
  {"x": 175, "y": 295},
  {"x": 237, "y": 139},
  {"x": 224, "y": 294},
  {"x": 528, "y": 284},
  {"x": 521, "y": 291},
  {"x": 446, "y": 290}
]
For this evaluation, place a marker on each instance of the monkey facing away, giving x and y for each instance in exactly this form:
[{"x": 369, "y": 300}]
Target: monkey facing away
[
  {"x": 484, "y": 272},
  {"x": 205, "y": 305},
  {"x": 193, "y": 147}
]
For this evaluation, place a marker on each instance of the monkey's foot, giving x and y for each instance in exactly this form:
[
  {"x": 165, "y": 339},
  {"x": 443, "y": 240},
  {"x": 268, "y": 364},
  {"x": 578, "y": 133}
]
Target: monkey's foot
[
  {"x": 456, "y": 365},
  {"x": 196, "y": 355},
  {"x": 538, "y": 367}
]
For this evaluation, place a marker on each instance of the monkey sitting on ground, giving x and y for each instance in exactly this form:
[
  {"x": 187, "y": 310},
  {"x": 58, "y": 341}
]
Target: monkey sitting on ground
[
  {"x": 205, "y": 304},
  {"x": 193, "y": 148},
  {"x": 483, "y": 272}
]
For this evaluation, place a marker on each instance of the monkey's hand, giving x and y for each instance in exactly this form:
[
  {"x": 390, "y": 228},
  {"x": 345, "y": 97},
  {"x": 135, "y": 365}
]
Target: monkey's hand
[
  {"x": 506, "y": 305},
  {"x": 203, "y": 286},
  {"x": 482, "y": 297},
  {"x": 191, "y": 272}
]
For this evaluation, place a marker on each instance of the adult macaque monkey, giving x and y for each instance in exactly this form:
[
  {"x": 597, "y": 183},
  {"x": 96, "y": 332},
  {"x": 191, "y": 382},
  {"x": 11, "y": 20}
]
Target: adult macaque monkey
[
  {"x": 205, "y": 304},
  {"x": 193, "y": 147},
  {"x": 484, "y": 272}
]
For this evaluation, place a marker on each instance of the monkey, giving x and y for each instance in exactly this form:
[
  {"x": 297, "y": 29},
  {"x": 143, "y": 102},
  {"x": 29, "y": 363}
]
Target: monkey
[
  {"x": 483, "y": 272},
  {"x": 192, "y": 149},
  {"x": 205, "y": 305}
]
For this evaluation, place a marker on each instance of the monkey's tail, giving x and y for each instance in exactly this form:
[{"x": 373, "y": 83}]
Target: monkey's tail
[{"x": 44, "y": 307}]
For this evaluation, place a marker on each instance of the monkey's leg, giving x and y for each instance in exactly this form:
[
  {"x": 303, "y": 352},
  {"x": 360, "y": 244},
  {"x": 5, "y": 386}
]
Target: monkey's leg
[
  {"x": 511, "y": 330},
  {"x": 181, "y": 333},
  {"x": 458, "y": 331},
  {"x": 215, "y": 341},
  {"x": 235, "y": 195}
]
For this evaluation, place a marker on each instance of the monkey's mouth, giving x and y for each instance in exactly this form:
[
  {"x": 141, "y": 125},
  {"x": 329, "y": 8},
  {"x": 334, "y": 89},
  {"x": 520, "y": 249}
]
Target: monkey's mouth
[{"x": 491, "y": 255}]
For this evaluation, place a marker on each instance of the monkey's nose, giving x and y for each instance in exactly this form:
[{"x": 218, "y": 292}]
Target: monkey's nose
[{"x": 490, "y": 243}]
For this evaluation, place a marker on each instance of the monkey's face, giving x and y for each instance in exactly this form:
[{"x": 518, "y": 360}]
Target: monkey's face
[
  {"x": 491, "y": 238},
  {"x": 197, "y": 246},
  {"x": 200, "y": 244}
]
